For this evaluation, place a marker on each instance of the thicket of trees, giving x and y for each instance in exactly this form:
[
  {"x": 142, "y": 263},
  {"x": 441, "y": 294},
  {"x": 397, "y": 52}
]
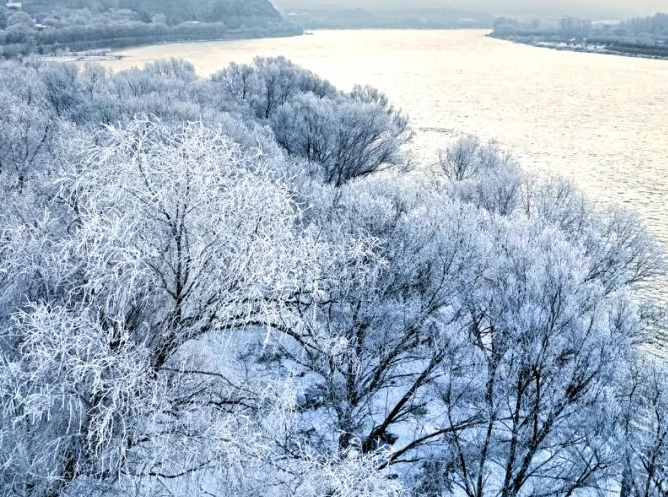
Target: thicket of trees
[
  {"x": 652, "y": 25},
  {"x": 233, "y": 287},
  {"x": 48, "y": 27}
]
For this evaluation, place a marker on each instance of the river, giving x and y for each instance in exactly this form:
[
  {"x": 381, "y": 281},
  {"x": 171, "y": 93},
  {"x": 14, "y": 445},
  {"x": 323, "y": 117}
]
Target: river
[{"x": 598, "y": 120}]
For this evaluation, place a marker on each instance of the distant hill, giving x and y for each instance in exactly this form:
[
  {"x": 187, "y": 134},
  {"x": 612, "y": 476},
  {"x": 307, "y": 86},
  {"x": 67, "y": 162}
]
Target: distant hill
[
  {"x": 358, "y": 18},
  {"x": 50, "y": 26},
  {"x": 175, "y": 11},
  {"x": 332, "y": 18},
  {"x": 437, "y": 17},
  {"x": 594, "y": 9}
]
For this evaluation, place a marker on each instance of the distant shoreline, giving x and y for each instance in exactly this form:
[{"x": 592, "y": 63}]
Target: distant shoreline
[
  {"x": 651, "y": 53},
  {"x": 310, "y": 30},
  {"x": 100, "y": 55},
  {"x": 107, "y": 53},
  {"x": 110, "y": 53},
  {"x": 98, "y": 49}
]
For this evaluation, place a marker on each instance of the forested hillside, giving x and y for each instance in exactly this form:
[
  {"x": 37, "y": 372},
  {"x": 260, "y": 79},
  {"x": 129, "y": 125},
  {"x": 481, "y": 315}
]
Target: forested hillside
[
  {"x": 52, "y": 26},
  {"x": 235, "y": 286},
  {"x": 176, "y": 11}
]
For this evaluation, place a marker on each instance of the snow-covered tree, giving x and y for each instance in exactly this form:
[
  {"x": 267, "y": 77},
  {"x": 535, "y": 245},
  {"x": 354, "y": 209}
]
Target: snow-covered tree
[
  {"x": 370, "y": 345},
  {"x": 224, "y": 299},
  {"x": 343, "y": 138},
  {"x": 536, "y": 366},
  {"x": 552, "y": 321},
  {"x": 163, "y": 236},
  {"x": 482, "y": 175},
  {"x": 644, "y": 431},
  {"x": 268, "y": 83},
  {"x": 343, "y": 135}
]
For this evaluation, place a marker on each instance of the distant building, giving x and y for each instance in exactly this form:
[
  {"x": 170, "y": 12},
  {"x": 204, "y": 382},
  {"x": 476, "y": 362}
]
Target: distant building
[{"x": 14, "y": 5}]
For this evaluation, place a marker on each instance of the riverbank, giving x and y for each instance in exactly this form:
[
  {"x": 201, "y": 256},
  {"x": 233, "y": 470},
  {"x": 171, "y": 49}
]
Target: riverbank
[
  {"x": 603, "y": 47},
  {"x": 110, "y": 54},
  {"x": 103, "y": 55},
  {"x": 92, "y": 39}
]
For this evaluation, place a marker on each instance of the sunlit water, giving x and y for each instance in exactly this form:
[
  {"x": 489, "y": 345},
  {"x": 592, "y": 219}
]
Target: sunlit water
[{"x": 599, "y": 120}]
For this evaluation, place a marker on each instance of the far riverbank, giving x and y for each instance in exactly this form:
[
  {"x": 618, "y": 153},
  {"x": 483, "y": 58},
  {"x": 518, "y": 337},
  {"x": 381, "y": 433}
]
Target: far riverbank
[
  {"x": 604, "y": 47},
  {"x": 90, "y": 41},
  {"x": 110, "y": 51}
]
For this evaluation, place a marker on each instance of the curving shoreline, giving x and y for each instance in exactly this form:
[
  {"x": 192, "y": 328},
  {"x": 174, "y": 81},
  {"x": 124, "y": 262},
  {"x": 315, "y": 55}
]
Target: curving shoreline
[
  {"x": 94, "y": 40},
  {"x": 588, "y": 46},
  {"x": 110, "y": 52}
]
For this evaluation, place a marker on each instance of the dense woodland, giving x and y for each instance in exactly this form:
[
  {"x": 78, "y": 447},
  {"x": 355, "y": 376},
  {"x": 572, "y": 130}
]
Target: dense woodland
[
  {"x": 647, "y": 26},
  {"x": 235, "y": 286},
  {"x": 61, "y": 25}
]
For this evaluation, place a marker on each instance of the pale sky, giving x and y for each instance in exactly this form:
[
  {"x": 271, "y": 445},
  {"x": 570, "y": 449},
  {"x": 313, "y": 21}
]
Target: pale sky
[{"x": 502, "y": 7}]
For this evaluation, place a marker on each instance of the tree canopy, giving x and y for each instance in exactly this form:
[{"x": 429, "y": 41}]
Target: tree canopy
[{"x": 234, "y": 286}]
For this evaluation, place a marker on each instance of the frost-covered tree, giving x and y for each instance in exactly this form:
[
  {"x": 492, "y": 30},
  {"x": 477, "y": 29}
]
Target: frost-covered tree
[
  {"x": 343, "y": 135},
  {"x": 62, "y": 85},
  {"x": 536, "y": 366},
  {"x": 622, "y": 251},
  {"x": 483, "y": 175},
  {"x": 369, "y": 346},
  {"x": 552, "y": 321},
  {"x": 27, "y": 126},
  {"x": 162, "y": 237},
  {"x": 462, "y": 160},
  {"x": 644, "y": 432},
  {"x": 224, "y": 299},
  {"x": 268, "y": 83},
  {"x": 25, "y": 138},
  {"x": 351, "y": 136}
]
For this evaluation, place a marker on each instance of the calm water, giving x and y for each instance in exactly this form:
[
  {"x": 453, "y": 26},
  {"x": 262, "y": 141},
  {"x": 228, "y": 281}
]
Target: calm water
[{"x": 599, "y": 120}]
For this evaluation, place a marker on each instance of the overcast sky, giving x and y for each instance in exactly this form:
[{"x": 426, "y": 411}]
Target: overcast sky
[{"x": 596, "y": 8}]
